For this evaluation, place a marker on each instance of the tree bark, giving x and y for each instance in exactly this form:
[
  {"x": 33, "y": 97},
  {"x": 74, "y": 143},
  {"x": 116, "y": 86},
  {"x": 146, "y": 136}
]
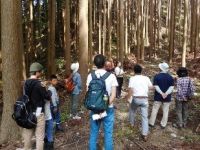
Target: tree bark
[
  {"x": 11, "y": 73},
  {"x": 83, "y": 40},
  {"x": 90, "y": 34},
  {"x": 121, "y": 37},
  {"x": 104, "y": 26},
  {"x": 100, "y": 26},
  {"x": 185, "y": 34},
  {"x": 172, "y": 30},
  {"x": 51, "y": 69},
  {"x": 67, "y": 43},
  {"x": 151, "y": 28}
]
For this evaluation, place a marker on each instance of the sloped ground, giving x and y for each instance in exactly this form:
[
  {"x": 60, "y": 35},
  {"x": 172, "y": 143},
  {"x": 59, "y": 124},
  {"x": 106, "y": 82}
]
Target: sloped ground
[{"x": 76, "y": 133}]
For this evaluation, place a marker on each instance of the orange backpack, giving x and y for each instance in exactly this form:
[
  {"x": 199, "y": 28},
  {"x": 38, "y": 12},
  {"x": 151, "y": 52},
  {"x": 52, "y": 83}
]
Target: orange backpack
[{"x": 69, "y": 84}]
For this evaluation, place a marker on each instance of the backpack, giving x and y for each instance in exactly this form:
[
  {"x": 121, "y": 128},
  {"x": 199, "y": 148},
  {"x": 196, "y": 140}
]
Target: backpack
[
  {"x": 97, "y": 98},
  {"x": 23, "y": 114},
  {"x": 69, "y": 84}
]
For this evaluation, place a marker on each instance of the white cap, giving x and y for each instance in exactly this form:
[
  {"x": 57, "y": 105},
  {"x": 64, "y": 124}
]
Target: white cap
[
  {"x": 75, "y": 67},
  {"x": 164, "y": 67}
]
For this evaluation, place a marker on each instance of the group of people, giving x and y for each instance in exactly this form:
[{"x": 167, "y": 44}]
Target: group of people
[
  {"x": 163, "y": 84},
  {"x": 46, "y": 104}
]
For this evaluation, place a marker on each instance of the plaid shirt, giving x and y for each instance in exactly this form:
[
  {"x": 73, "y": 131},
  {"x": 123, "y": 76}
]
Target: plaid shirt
[{"x": 185, "y": 88}]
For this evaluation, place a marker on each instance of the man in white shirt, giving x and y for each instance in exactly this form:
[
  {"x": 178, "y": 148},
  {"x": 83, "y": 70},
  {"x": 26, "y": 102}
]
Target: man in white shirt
[
  {"x": 108, "y": 121},
  {"x": 119, "y": 74},
  {"x": 139, "y": 86}
]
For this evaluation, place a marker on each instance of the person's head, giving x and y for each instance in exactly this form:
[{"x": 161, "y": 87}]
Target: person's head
[
  {"x": 99, "y": 61},
  {"x": 74, "y": 67},
  {"x": 182, "y": 72},
  {"x": 53, "y": 80},
  {"x": 119, "y": 64},
  {"x": 108, "y": 65},
  {"x": 164, "y": 67},
  {"x": 36, "y": 69},
  {"x": 137, "y": 69}
]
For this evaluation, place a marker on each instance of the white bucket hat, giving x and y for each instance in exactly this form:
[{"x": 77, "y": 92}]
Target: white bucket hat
[
  {"x": 164, "y": 67},
  {"x": 75, "y": 67}
]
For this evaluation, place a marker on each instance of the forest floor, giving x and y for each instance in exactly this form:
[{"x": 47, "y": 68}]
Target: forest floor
[{"x": 76, "y": 133}]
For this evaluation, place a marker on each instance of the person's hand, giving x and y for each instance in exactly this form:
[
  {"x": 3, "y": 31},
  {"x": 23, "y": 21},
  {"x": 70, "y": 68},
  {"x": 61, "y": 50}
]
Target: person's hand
[
  {"x": 164, "y": 95},
  {"x": 55, "y": 109}
]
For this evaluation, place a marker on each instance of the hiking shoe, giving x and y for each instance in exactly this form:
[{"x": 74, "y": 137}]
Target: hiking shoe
[
  {"x": 76, "y": 117},
  {"x": 59, "y": 128},
  {"x": 150, "y": 125},
  {"x": 144, "y": 138},
  {"x": 175, "y": 125},
  {"x": 162, "y": 127}
]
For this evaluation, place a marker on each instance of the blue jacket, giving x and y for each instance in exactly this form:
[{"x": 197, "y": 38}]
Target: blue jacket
[{"x": 78, "y": 83}]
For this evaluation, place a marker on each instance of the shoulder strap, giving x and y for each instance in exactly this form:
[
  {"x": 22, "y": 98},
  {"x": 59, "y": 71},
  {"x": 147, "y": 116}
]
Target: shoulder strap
[
  {"x": 93, "y": 75},
  {"x": 106, "y": 75}
]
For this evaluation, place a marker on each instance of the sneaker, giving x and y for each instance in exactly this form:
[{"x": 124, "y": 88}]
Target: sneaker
[
  {"x": 144, "y": 138},
  {"x": 162, "y": 127},
  {"x": 59, "y": 128},
  {"x": 150, "y": 125},
  {"x": 175, "y": 125},
  {"x": 76, "y": 117}
]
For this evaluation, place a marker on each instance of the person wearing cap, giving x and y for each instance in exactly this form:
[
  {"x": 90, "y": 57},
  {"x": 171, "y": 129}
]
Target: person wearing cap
[
  {"x": 76, "y": 77},
  {"x": 164, "y": 85},
  {"x": 38, "y": 95}
]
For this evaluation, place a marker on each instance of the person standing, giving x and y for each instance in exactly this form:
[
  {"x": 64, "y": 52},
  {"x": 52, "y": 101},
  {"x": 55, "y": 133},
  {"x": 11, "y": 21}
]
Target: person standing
[
  {"x": 55, "y": 102},
  {"x": 37, "y": 94},
  {"x": 119, "y": 74},
  {"x": 108, "y": 120},
  {"x": 164, "y": 85},
  {"x": 76, "y": 77},
  {"x": 139, "y": 86},
  {"x": 185, "y": 90}
]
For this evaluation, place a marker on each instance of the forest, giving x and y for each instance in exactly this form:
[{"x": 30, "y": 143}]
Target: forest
[{"x": 57, "y": 33}]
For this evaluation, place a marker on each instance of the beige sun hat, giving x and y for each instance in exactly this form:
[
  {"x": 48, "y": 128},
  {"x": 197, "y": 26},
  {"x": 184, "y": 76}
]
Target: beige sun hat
[
  {"x": 164, "y": 67},
  {"x": 75, "y": 67}
]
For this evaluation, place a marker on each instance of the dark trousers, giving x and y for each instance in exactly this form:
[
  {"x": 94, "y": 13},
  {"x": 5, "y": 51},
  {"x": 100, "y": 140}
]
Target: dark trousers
[
  {"x": 119, "y": 88},
  {"x": 182, "y": 112}
]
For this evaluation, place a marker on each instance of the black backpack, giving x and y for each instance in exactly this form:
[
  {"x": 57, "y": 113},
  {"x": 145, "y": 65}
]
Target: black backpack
[
  {"x": 23, "y": 114},
  {"x": 97, "y": 98}
]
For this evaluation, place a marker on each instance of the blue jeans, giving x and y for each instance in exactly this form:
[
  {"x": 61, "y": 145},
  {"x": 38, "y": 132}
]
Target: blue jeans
[
  {"x": 49, "y": 130},
  {"x": 56, "y": 116},
  {"x": 108, "y": 123},
  {"x": 143, "y": 104}
]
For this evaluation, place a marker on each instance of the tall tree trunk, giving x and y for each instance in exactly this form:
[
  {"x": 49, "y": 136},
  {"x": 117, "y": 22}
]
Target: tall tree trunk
[
  {"x": 51, "y": 37},
  {"x": 172, "y": 30},
  {"x": 11, "y": 73},
  {"x": 126, "y": 28},
  {"x": 121, "y": 37},
  {"x": 196, "y": 27},
  {"x": 67, "y": 43},
  {"x": 83, "y": 40},
  {"x": 185, "y": 34},
  {"x": 159, "y": 22},
  {"x": 100, "y": 26},
  {"x": 110, "y": 3},
  {"x": 150, "y": 27},
  {"x": 90, "y": 34},
  {"x": 142, "y": 34},
  {"x": 104, "y": 26},
  {"x": 118, "y": 27}
]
